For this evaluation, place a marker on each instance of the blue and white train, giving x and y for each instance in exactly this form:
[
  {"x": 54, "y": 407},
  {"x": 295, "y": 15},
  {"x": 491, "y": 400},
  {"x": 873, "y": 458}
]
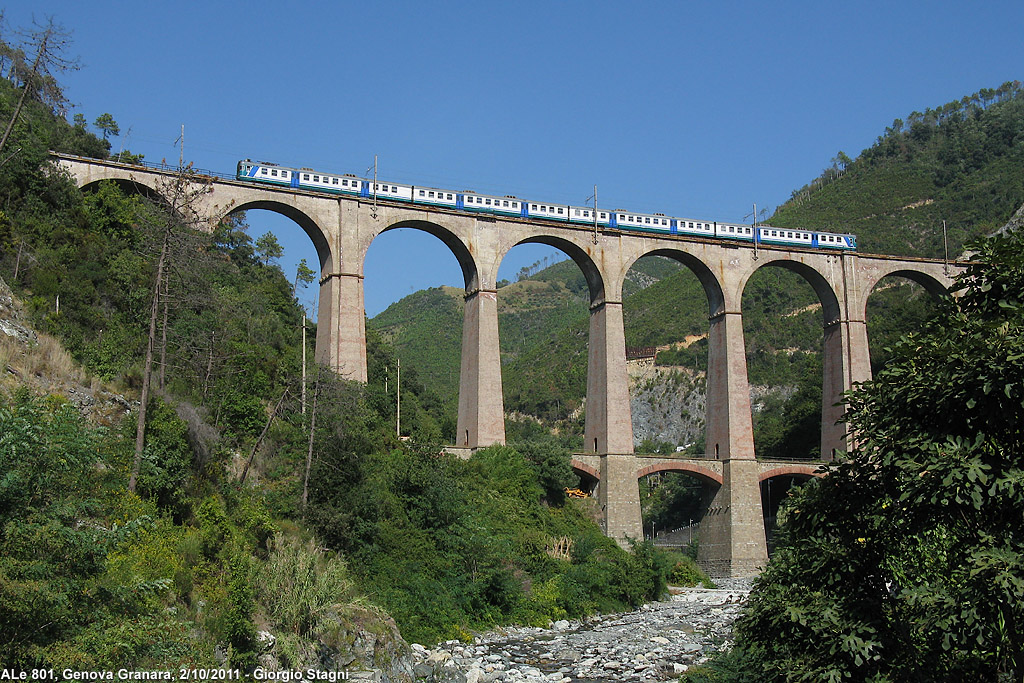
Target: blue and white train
[{"x": 308, "y": 179}]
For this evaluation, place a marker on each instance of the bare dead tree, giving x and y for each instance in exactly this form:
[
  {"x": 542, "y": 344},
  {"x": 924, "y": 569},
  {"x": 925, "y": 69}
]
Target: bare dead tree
[
  {"x": 259, "y": 441},
  {"x": 49, "y": 43}
]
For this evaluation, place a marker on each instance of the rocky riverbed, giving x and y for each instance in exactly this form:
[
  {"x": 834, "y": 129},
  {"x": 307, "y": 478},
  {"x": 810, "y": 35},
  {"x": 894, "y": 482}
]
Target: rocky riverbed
[{"x": 657, "y": 642}]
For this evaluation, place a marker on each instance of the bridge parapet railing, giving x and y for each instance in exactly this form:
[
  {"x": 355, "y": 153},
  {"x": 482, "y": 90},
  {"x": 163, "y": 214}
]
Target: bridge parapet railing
[{"x": 162, "y": 167}]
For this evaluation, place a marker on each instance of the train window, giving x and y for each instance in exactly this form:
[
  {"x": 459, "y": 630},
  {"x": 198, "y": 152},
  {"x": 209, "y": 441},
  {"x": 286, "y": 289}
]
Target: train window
[
  {"x": 334, "y": 181},
  {"x": 305, "y": 176},
  {"x": 449, "y": 196}
]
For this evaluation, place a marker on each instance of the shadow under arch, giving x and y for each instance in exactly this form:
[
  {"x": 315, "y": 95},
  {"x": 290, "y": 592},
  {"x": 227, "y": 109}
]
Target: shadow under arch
[
  {"x": 308, "y": 225},
  {"x": 683, "y": 528},
  {"x": 590, "y": 477},
  {"x": 776, "y": 486},
  {"x": 128, "y": 186}
]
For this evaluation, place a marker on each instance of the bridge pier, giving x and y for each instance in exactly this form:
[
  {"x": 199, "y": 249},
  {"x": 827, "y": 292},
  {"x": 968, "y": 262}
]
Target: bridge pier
[
  {"x": 619, "y": 496},
  {"x": 609, "y": 425},
  {"x": 732, "y": 540},
  {"x": 481, "y": 421},
  {"x": 609, "y": 422},
  {"x": 341, "y": 326},
  {"x": 835, "y": 379}
]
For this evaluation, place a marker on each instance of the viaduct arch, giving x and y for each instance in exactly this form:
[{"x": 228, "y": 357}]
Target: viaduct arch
[{"x": 343, "y": 227}]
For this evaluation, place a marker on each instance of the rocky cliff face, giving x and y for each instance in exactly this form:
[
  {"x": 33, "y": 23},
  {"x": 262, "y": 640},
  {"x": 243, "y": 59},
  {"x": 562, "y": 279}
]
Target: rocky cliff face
[{"x": 668, "y": 402}]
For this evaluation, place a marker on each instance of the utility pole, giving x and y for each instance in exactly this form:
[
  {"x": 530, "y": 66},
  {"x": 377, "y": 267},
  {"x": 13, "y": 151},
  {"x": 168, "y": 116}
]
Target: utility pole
[
  {"x": 753, "y": 227},
  {"x": 181, "y": 153},
  {"x": 594, "y": 197},
  {"x": 374, "y": 185},
  {"x": 398, "y": 401},
  {"x": 945, "y": 250}
]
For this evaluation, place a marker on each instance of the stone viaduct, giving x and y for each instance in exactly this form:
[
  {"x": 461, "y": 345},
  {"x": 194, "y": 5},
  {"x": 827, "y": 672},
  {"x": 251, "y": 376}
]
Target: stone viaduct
[{"x": 732, "y": 530}]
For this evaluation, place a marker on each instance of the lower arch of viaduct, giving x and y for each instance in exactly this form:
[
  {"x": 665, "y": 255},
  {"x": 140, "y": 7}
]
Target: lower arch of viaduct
[{"x": 342, "y": 229}]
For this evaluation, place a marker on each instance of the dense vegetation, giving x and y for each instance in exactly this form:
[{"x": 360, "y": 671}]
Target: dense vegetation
[{"x": 906, "y": 563}]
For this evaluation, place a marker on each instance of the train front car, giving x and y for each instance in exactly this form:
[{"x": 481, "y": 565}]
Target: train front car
[
  {"x": 244, "y": 166},
  {"x": 833, "y": 240},
  {"x": 264, "y": 172}
]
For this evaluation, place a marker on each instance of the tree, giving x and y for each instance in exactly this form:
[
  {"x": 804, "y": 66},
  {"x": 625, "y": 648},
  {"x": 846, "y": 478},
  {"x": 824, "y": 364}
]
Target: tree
[
  {"x": 906, "y": 562},
  {"x": 269, "y": 248},
  {"x": 171, "y": 223},
  {"x": 107, "y": 125},
  {"x": 303, "y": 274}
]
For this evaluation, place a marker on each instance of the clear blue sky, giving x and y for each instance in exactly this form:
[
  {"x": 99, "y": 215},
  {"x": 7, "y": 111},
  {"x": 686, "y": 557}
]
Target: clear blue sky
[{"x": 689, "y": 108}]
